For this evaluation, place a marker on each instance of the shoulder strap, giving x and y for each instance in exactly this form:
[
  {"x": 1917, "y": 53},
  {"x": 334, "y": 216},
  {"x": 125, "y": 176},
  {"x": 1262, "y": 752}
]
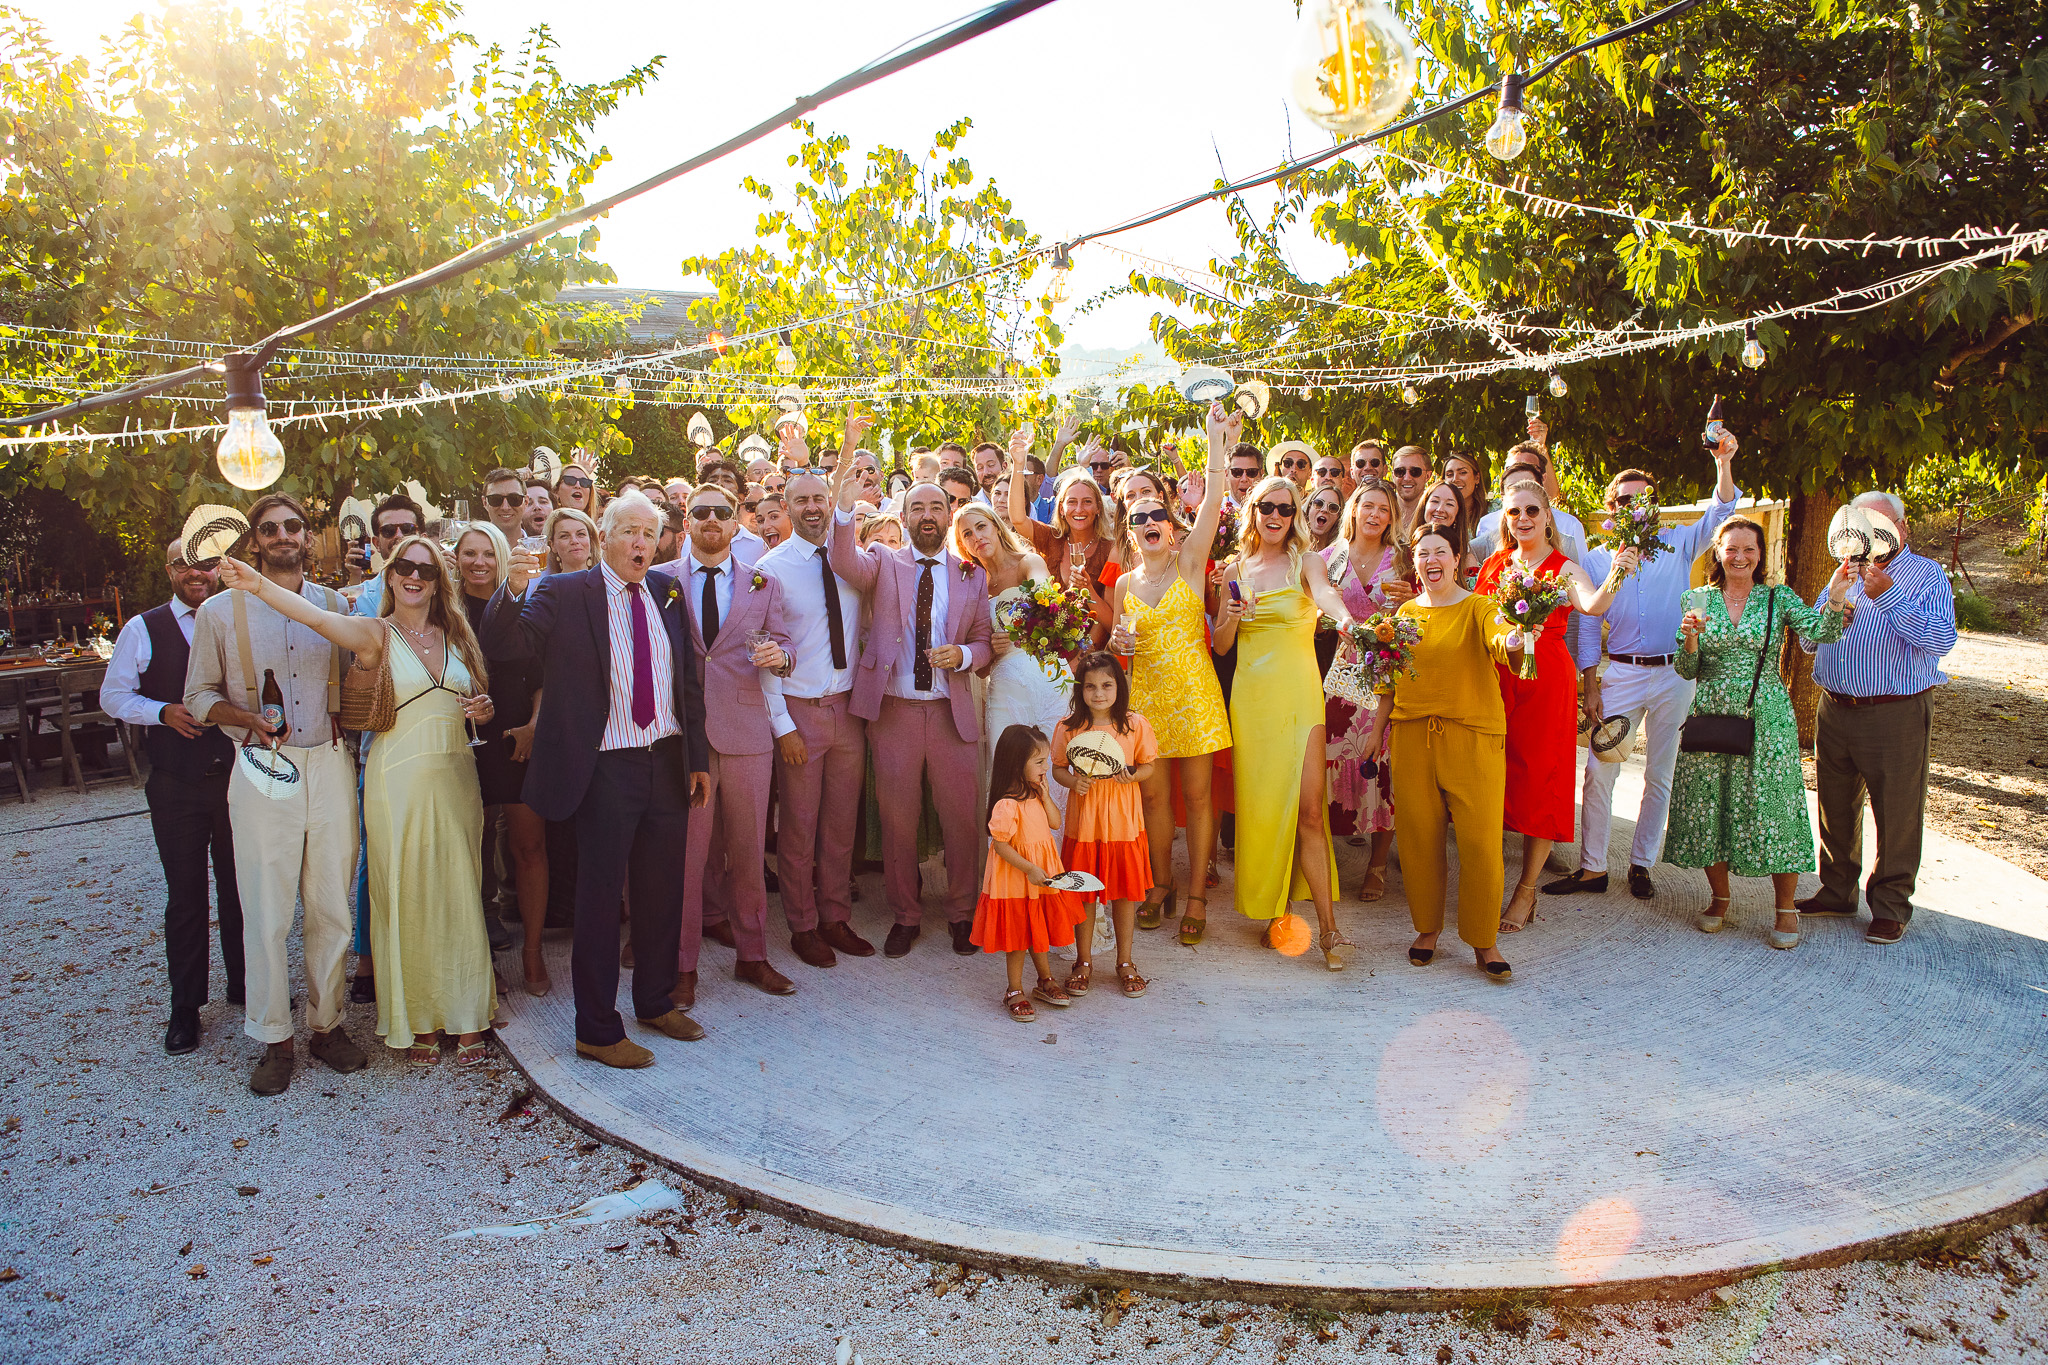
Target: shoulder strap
[
  {"x": 248, "y": 660},
  {"x": 336, "y": 605},
  {"x": 1770, "y": 620}
]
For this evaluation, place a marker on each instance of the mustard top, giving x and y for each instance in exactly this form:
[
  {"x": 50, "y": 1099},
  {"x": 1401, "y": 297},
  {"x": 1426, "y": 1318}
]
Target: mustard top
[{"x": 1454, "y": 677}]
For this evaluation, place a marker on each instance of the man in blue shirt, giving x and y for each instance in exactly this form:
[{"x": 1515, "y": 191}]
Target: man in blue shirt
[
  {"x": 1640, "y": 682},
  {"x": 1876, "y": 710}
]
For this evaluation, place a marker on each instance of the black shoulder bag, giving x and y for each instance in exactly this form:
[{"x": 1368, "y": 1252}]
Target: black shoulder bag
[{"x": 1711, "y": 732}]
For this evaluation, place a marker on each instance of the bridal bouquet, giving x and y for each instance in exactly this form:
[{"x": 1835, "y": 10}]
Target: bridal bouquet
[
  {"x": 1637, "y": 523},
  {"x": 1383, "y": 649},
  {"x": 1048, "y": 621},
  {"x": 1526, "y": 599},
  {"x": 1225, "y": 545}
]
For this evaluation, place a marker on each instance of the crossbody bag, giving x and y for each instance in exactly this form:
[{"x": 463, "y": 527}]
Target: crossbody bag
[{"x": 1714, "y": 732}]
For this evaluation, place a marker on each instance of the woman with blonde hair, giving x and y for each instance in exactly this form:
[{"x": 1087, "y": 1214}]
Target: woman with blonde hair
[
  {"x": 571, "y": 538},
  {"x": 885, "y": 528},
  {"x": 1075, "y": 546},
  {"x": 1277, "y": 590},
  {"x": 1020, "y": 691},
  {"x": 422, "y": 810}
]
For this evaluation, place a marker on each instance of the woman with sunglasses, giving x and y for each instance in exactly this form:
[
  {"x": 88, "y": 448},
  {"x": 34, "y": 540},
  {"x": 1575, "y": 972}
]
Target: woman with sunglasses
[
  {"x": 1440, "y": 505},
  {"x": 1276, "y": 715},
  {"x": 1325, "y": 510},
  {"x": 576, "y": 489},
  {"x": 1074, "y": 545},
  {"x": 1163, "y": 627},
  {"x": 422, "y": 810},
  {"x": 1362, "y": 566}
]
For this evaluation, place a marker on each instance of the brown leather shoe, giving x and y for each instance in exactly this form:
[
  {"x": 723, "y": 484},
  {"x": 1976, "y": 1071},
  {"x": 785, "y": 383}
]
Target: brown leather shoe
[
  {"x": 811, "y": 949},
  {"x": 625, "y": 1054},
  {"x": 1885, "y": 931},
  {"x": 766, "y": 977},
  {"x": 273, "y": 1075},
  {"x": 839, "y": 934},
  {"x": 721, "y": 932},
  {"x": 336, "y": 1049},
  {"x": 676, "y": 1025},
  {"x": 684, "y": 996}
]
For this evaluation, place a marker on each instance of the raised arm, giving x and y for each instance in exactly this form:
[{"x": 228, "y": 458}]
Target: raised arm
[
  {"x": 1223, "y": 434},
  {"x": 1315, "y": 581},
  {"x": 1595, "y": 601},
  {"x": 1020, "y": 472},
  {"x": 1062, "y": 438},
  {"x": 360, "y": 635}
]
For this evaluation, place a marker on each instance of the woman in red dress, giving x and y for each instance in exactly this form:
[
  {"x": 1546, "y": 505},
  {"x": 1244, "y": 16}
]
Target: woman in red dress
[{"x": 1542, "y": 712}]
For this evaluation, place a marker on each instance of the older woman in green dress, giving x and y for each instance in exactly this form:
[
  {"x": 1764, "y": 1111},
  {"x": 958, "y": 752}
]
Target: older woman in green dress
[{"x": 1746, "y": 813}]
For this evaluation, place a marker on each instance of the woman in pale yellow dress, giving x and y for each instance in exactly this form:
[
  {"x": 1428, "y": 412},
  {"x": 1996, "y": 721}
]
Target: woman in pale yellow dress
[
  {"x": 1163, "y": 627},
  {"x": 422, "y": 808},
  {"x": 1276, "y": 714}
]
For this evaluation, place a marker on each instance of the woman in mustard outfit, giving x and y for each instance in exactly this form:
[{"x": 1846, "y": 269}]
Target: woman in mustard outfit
[
  {"x": 1163, "y": 627},
  {"x": 1450, "y": 752},
  {"x": 1276, "y": 714}
]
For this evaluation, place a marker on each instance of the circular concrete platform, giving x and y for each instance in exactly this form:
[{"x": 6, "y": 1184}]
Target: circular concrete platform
[{"x": 1643, "y": 1110}]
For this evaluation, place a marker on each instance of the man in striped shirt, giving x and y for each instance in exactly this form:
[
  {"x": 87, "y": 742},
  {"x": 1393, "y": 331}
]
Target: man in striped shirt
[{"x": 1875, "y": 713}]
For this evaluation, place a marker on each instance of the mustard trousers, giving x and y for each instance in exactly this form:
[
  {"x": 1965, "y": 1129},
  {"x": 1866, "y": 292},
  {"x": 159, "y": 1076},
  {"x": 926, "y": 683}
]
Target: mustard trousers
[{"x": 1445, "y": 771}]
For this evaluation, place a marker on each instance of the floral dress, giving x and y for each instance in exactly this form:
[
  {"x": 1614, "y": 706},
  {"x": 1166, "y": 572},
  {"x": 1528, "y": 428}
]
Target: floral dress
[
  {"x": 1359, "y": 804},
  {"x": 1747, "y": 811}
]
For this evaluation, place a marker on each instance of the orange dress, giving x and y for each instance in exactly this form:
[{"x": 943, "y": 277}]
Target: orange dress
[
  {"x": 1106, "y": 827},
  {"x": 1012, "y": 914}
]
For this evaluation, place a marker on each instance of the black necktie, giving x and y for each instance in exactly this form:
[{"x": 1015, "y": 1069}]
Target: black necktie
[
  {"x": 832, "y": 613},
  {"x": 922, "y": 673},
  {"x": 709, "y": 610}
]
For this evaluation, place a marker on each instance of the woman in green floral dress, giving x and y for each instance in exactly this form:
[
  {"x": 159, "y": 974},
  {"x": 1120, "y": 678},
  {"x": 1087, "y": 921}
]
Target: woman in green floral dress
[{"x": 1733, "y": 812}]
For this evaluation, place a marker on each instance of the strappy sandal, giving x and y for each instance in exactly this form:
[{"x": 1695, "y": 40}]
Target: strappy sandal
[
  {"x": 1375, "y": 884},
  {"x": 424, "y": 1051},
  {"x": 1018, "y": 1006},
  {"x": 1133, "y": 984},
  {"x": 1515, "y": 926},
  {"x": 469, "y": 1054},
  {"x": 1080, "y": 978},
  {"x": 1711, "y": 923},
  {"x": 1151, "y": 913},
  {"x": 1331, "y": 941},
  {"x": 1193, "y": 926},
  {"x": 1051, "y": 993}
]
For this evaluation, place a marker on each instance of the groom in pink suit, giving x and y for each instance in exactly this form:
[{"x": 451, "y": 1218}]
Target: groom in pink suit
[
  {"x": 928, "y": 631},
  {"x": 725, "y": 896}
]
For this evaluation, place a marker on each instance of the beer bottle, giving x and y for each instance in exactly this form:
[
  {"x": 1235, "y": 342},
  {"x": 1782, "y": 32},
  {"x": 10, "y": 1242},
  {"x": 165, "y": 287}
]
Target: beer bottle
[{"x": 273, "y": 702}]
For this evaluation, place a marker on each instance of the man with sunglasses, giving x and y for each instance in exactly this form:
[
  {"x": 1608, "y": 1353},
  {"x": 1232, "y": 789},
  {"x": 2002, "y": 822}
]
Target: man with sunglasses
[
  {"x": 302, "y": 845},
  {"x": 961, "y": 488},
  {"x": 1247, "y": 467},
  {"x": 1368, "y": 461},
  {"x": 1292, "y": 461},
  {"x": 187, "y": 792},
  {"x": 504, "y": 501},
  {"x": 1410, "y": 477},
  {"x": 1330, "y": 473}
]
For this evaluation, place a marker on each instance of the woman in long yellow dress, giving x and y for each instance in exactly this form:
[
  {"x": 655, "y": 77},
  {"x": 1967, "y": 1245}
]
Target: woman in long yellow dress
[
  {"x": 1163, "y": 627},
  {"x": 1276, "y": 714}
]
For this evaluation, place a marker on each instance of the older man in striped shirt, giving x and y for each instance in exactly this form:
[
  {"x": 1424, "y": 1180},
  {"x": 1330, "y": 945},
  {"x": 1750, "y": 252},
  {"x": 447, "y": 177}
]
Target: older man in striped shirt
[{"x": 1876, "y": 710}]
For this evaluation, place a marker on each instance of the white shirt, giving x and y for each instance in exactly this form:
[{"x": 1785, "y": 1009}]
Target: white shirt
[
  {"x": 619, "y": 730},
  {"x": 693, "y": 583},
  {"x": 747, "y": 547},
  {"x": 903, "y": 681},
  {"x": 132, "y": 653},
  {"x": 795, "y": 564}
]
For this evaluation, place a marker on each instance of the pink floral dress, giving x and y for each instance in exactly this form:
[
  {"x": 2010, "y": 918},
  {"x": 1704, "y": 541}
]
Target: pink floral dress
[{"x": 1359, "y": 805}]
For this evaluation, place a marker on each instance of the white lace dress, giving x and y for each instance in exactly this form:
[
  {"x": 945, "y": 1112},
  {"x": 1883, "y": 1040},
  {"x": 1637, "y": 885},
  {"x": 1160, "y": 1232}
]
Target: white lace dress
[{"x": 1020, "y": 692}]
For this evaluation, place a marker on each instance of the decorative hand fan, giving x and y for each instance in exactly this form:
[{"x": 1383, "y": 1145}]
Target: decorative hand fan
[
  {"x": 1885, "y": 540},
  {"x": 1850, "y": 537},
  {"x": 545, "y": 463},
  {"x": 790, "y": 398},
  {"x": 755, "y": 447},
  {"x": 1205, "y": 384},
  {"x": 793, "y": 419},
  {"x": 699, "y": 429},
  {"x": 1253, "y": 398},
  {"x": 1612, "y": 738},
  {"x": 429, "y": 514},
  {"x": 1075, "y": 881},
  {"x": 212, "y": 531},
  {"x": 271, "y": 773},
  {"x": 1096, "y": 753}
]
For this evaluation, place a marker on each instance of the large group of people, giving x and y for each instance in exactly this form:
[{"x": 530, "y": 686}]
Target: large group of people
[{"x": 628, "y": 716}]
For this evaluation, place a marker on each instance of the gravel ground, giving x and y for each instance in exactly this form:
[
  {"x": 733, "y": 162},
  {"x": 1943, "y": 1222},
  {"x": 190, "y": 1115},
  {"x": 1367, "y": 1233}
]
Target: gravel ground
[{"x": 152, "y": 1209}]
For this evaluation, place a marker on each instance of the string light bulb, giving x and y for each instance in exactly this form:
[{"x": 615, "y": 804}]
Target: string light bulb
[
  {"x": 1558, "y": 388},
  {"x": 1062, "y": 276},
  {"x": 1354, "y": 65},
  {"x": 1410, "y": 395},
  {"x": 1752, "y": 349},
  {"x": 623, "y": 387},
  {"x": 785, "y": 356},
  {"x": 1506, "y": 138},
  {"x": 249, "y": 454}
]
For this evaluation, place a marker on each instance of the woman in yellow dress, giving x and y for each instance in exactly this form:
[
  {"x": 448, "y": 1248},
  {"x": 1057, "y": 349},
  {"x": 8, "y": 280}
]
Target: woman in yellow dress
[
  {"x": 1277, "y": 590},
  {"x": 1163, "y": 627}
]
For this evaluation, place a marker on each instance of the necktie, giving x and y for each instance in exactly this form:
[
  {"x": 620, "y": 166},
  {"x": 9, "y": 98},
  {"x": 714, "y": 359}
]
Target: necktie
[
  {"x": 832, "y": 613},
  {"x": 708, "y": 610},
  {"x": 643, "y": 660},
  {"x": 921, "y": 673}
]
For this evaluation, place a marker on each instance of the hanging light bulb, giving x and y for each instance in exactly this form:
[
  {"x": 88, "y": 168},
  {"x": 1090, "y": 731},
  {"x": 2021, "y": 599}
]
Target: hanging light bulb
[
  {"x": 623, "y": 387},
  {"x": 1506, "y": 138},
  {"x": 1062, "y": 276},
  {"x": 249, "y": 454},
  {"x": 1558, "y": 388},
  {"x": 1752, "y": 349},
  {"x": 1354, "y": 65},
  {"x": 1410, "y": 395},
  {"x": 785, "y": 356}
]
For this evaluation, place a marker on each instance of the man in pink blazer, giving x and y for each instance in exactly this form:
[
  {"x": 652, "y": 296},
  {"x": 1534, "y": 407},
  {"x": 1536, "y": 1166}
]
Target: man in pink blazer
[
  {"x": 737, "y": 628},
  {"x": 928, "y": 630}
]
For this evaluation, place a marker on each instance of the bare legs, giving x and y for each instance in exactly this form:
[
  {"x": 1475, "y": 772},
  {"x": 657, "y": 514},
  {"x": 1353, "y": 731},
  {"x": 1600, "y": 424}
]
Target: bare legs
[
  {"x": 1311, "y": 839},
  {"x": 527, "y": 836},
  {"x": 1157, "y": 790},
  {"x": 1784, "y": 887},
  {"x": 1521, "y": 907}
]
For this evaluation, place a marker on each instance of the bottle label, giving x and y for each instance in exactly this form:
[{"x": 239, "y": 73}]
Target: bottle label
[{"x": 273, "y": 716}]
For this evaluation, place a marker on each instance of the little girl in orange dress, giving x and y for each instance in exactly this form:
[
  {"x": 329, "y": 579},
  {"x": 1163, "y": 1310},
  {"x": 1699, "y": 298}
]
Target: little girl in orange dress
[
  {"x": 1106, "y": 815},
  {"x": 1018, "y": 913}
]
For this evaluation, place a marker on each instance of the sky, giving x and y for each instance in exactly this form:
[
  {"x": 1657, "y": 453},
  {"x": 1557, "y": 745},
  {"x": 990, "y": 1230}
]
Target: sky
[{"x": 1085, "y": 113}]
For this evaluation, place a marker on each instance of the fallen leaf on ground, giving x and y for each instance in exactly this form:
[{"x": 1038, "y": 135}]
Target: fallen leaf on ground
[
  {"x": 263, "y": 1260},
  {"x": 185, "y": 1250},
  {"x": 247, "y": 1189},
  {"x": 240, "y": 1143},
  {"x": 9, "y": 1275},
  {"x": 197, "y": 1272}
]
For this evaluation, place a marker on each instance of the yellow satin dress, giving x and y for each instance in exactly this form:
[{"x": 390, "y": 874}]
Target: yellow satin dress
[
  {"x": 1173, "y": 682},
  {"x": 1276, "y": 701},
  {"x": 423, "y": 819}
]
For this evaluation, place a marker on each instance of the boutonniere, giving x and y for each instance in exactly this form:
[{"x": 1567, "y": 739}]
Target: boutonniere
[
  {"x": 674, "y": 591},
  {"x": 966, "y": 571},
  {"x": 757, "y": 582}
]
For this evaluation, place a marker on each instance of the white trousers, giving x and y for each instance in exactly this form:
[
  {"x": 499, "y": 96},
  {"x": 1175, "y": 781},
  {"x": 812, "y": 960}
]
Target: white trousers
[
  {"x": 300, "y": 848},
  {"x": 1658, "y": 699}
]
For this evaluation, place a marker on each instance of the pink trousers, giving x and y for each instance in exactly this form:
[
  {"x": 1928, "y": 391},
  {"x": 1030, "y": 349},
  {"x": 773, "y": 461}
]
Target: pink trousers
[
  {"x": 722, "y": 864},
  {"x": 912, "y": 741}
]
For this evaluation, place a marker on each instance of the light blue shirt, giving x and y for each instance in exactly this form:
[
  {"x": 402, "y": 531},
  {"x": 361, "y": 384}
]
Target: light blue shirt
[
  {"x": 1644, "y": 616},
  {"x": 1894, "y": 643},
  {"x": 370, "y": 598}
]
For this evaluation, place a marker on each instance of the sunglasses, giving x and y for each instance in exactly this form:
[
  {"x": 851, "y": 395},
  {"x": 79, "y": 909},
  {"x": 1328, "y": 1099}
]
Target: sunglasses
[
  {"x": 707, "y": 512},
  {"x": 504, "y": 499},
  {"x": 1273, "y": 509},
  {"x": 1328, "y": 507},
  {"x": 1286, "y": 463},
  {"x": 1244, "y": 473},
  {"x": 576, "y": 481},
  {"x": 750, "y": 506},
  {"x": 1101, "y": 466},
  {"x": 290, "y": 526},
  {"x": 1156, "y": 514},
  {"x": 1406, "y": 472},
  {"x": 412, "y": 568},
  {"x": 404, "y": 528}
]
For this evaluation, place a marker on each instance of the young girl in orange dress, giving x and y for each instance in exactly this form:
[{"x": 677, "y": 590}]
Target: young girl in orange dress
[
  {"x": 1018, "y": 913},
  {"x": 1106, "y": 815}
]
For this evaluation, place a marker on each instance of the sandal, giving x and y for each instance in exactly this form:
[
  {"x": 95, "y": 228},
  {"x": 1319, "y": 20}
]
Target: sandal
[
  {"x": 1019, "y": 1006},
  {"x": 1515, "y": 926},
  {"x": 469, "y": 1054},
  {"x": 1375, "y": 884},
  {"x": 1193, "y": 926},
  {"x": 1213, "y": 880},
  {"x": 1332, "y": 940},
  {"x": 1133, "y": 984},
  {"x": 424, "y": 1051},
  {"x": 1080, "y": 978},
  {"x": 1152, "y": 913},
  {"x": 1050, "y": 992},
  {"x": 1711, "y": 923}
]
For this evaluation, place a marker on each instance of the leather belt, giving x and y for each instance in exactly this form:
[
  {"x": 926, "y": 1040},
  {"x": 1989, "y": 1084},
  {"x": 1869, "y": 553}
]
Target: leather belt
[
  {"x": 1643, "y": 660},
  {"x": 1841, "y": 699},
  {"x": 819, "y": 701}
]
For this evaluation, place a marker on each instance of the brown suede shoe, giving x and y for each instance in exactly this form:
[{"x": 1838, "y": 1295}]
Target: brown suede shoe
[
  {"x": 838, "y": 934},
  {"x": 625, "y": 1054},
  {"x": 684, "y": 996},
  {"x": 721, "y": 932},
  {"x": 676, "y": 1025},
  {"x": 1885, "y": 931},
  {"x": 811, "y": 949},
  {"x": 766, "y": 977},
  {"x": 335, "y": 1048},
  {"x": 273, "y": 1075}
]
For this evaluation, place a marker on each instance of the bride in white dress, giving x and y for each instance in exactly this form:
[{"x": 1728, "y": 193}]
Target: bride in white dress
[{"x": 1019, "y": 691}]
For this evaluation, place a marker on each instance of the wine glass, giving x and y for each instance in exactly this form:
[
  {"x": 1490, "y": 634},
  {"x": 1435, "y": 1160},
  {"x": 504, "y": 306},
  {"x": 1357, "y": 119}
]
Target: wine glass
[{"x": 476, "y": 741}]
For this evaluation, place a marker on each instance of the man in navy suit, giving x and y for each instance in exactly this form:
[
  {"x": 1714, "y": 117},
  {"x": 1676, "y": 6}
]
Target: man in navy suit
[{"x": 620, "y": 751}]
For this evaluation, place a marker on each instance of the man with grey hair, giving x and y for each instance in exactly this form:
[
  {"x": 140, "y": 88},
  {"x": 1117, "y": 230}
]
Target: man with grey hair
[{"x": 1876, "y": 710}]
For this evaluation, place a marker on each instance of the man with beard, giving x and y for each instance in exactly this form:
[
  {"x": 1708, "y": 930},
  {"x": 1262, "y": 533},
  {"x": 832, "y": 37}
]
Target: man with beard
[
  {"x": 533, "y": 513},
  {"x": 988, "y": 467},
  {"x": 1410, "y": 474},
  {"x": 300, "y": 845},
  {"x": 929, "y": 630},
  {"x": 188, "y": 791}
]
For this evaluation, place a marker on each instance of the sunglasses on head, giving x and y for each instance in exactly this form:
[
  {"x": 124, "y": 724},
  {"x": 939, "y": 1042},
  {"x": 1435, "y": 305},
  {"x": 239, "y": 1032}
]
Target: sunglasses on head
[
  {"x": 710, "y": 510},
  {"x": 504, "y": 499},
  {"x": 412, "y": 568},
  {"x": 1156, "y": 514},
  {"x": 1273, "y": 509},
  {"x": 404, "y": 528},
  {"x": 576, "y": 481}
]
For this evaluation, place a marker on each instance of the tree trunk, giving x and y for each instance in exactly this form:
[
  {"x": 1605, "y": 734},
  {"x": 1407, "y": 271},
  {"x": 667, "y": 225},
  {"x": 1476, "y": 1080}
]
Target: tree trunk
[{"x": 1808, "y": 567}]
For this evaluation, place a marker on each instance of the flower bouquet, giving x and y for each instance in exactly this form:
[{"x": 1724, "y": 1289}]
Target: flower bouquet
[
  {"x": 1383, "y": 649},
  {"x": 1048, "y": 621},
  {"x": 1637, "y": 523},
  {"x": 1225, "y": 545},
  {"x": 1526, "y": 599}
]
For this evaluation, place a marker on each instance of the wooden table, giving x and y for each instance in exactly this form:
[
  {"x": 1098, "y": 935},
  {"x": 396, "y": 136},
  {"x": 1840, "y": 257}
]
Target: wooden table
[{"x": 91, "y": 740}]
